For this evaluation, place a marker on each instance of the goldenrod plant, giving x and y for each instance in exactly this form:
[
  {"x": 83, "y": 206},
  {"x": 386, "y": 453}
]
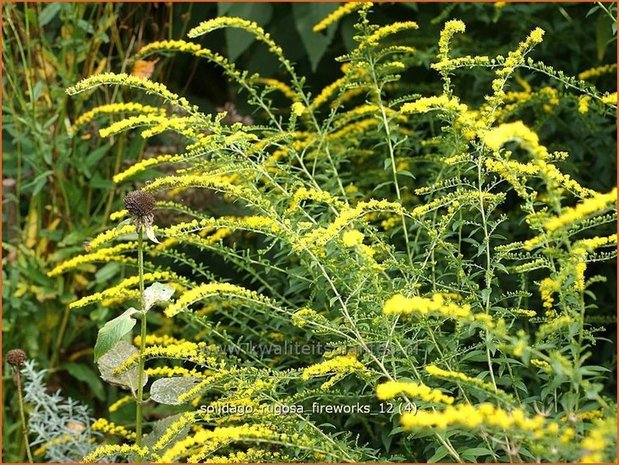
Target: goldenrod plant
[{"x": 407, "y": 276}]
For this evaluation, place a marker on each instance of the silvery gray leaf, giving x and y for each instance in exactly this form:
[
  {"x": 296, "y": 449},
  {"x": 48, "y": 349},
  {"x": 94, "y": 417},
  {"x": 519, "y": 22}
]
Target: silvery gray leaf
[
  {"x": 113, "y": 359},
  {"x": 167, "y": 390}
]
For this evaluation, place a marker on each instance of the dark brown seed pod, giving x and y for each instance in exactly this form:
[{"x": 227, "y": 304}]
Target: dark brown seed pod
[
  {"x": 16, "y": 357},
  {"x": 139, "y": 204}
]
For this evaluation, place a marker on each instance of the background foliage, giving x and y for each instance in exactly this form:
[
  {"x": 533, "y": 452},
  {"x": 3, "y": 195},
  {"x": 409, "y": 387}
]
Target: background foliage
[{"x": 57, "y": 185}]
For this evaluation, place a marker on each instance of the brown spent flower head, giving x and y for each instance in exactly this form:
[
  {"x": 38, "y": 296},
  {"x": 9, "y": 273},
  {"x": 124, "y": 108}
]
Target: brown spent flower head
[
  {"x": 140, "y": 204},
  {"x": 16, "y": 357}
]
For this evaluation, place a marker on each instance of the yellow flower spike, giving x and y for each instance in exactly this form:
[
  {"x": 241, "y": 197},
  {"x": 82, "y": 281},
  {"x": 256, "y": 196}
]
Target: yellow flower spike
[
  {"x": 436, "y": 305},
  {"x": 112, "y": 109},
  {"x": 391, "y": 389},
  {"x": 204, "y": 291},
  {"x": 339, "y": 13},
  {"x": 123, "y": 291},
  {"x": 441, "y": 102},
  {"x": 146, "y": 85},
  {"x": 352, "y": 238},
  {"x": 108, "y": 427},
  {"x": 451, "y": 27},
  {"x": 339, "y": 366},
  {"x": 583, "y": 210},
  {"x": 597, "y": 71},
  {"x": 110, "y": 450},
  {"x": 119, "y": 403},
  {"x": 109, "y": 254},
  {"x": 517, "y": 131}
]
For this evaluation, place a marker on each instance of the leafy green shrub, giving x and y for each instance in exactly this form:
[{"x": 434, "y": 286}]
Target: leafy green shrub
[{"x": 423, "y": 266}]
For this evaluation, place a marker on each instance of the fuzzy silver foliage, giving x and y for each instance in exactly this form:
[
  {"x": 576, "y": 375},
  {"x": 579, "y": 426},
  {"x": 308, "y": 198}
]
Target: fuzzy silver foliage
[{"x": 60, "y": 424}]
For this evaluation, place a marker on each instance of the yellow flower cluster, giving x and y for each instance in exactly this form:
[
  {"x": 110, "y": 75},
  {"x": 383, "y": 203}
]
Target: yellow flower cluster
[
  {"x": 509, "y": 65},
  {"x": 597, "y": 71},
  {"x": 282, "y": 87},
  {"x": 554, "y": 176},
  {"x": 391, "y": 389},
  {"x": 131, "y": 123},
  {"x": 352, "y": 238},
  {"x": 172, "y": 430},
  {"x": 119, "y": 403},
  {"x": 120, "y": 291},
  {"x": 543, "y": 364},
  {"x": 111, "y": 234},
  {"x": 298, "y": 109},
  {"x": 145, "y": 164},
  {"x": 554, "y": 326},
  {"x": 484, "y": 415},
  {"x": 341, "y": 366},
  {"x": 435, "y": 305},
  {"x": 228, "y": 22},
  {"x": 459, "y": 377},
  {"x": 169, "y": 45},
  {"x": 213, "y": 289},
  {"x": 108, "y": 254},
  {"x": 451, "y": 27},
  {"x": 304, "y": 193},
  {"x": 373, "y": 39},
  {"x": 189, "y": 180},
  {"x": 320, "y": 236},
  {"x": 146, "y": 85},
  {"x": 441, "y": 102},
  {"x": 338, "y": 14},
  {"x": 497, "y": 137},
  {"x": 595, "y": 242},
  {"x": 190, "y": 351},
  {"x": 583, "y": 103},
  {"x": 251, "y": 455},
  {"x": 110, "y": 450},
  {"x": 57, "y": 440},
  {"x": 211, "y": 440},
  {"x": 610, "y": 98},
  {"x": 600, "y": 438},
  {"x": 583, "y": 210},
  {"x": 169, "y": 372},
  {"x": 108, "y": 427},
  {"x": 181, "y": 125},
  {"x": 114, "y": 108}
]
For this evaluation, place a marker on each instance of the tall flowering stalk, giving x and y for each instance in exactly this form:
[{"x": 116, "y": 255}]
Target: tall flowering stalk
[
  {"x": 16, "y": 358},
  {"x": 140, "y": 206}
]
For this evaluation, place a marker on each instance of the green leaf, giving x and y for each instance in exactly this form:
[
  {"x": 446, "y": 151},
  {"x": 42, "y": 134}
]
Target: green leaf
[
  {"x": 113, "y": 331},
  {"x": 167, "y": 390},
  {"x": 238, "y": 41},
  {"x": 603, "y": 34},
  {"x": 113, "y": 359},
  {"x": 86, "y": 374},
  {"x": 306, "y": 16},
  {"x": 157, "y": 292},
  {"x": 49, "y": 12}
]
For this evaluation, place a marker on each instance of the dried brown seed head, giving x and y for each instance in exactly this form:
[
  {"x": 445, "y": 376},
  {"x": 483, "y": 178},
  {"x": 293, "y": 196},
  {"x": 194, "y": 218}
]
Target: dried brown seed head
[
  {"x": 139, "y": 204},
  {"x": 16, "y": 357}
]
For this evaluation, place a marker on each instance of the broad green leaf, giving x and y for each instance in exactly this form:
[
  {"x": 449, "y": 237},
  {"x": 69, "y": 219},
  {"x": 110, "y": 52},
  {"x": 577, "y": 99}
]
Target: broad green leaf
[
  {"x": 167, "y": 390},
  {"x": 238, "y": 41},
  {"x": 84, "y": 373},
  {"x": 306, "y": 16},
  {"x": 113, "y": 331},
  {"x": 113, "y": 359},
  {"x": 49, "y": 12},
  {"x": 157, "y": 292}
]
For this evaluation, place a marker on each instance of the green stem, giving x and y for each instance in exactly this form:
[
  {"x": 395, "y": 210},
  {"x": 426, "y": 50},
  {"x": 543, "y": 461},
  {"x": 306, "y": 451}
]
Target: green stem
[
  {"x": 140, "y": 399},
  {"x": 22, "y": 415}
]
